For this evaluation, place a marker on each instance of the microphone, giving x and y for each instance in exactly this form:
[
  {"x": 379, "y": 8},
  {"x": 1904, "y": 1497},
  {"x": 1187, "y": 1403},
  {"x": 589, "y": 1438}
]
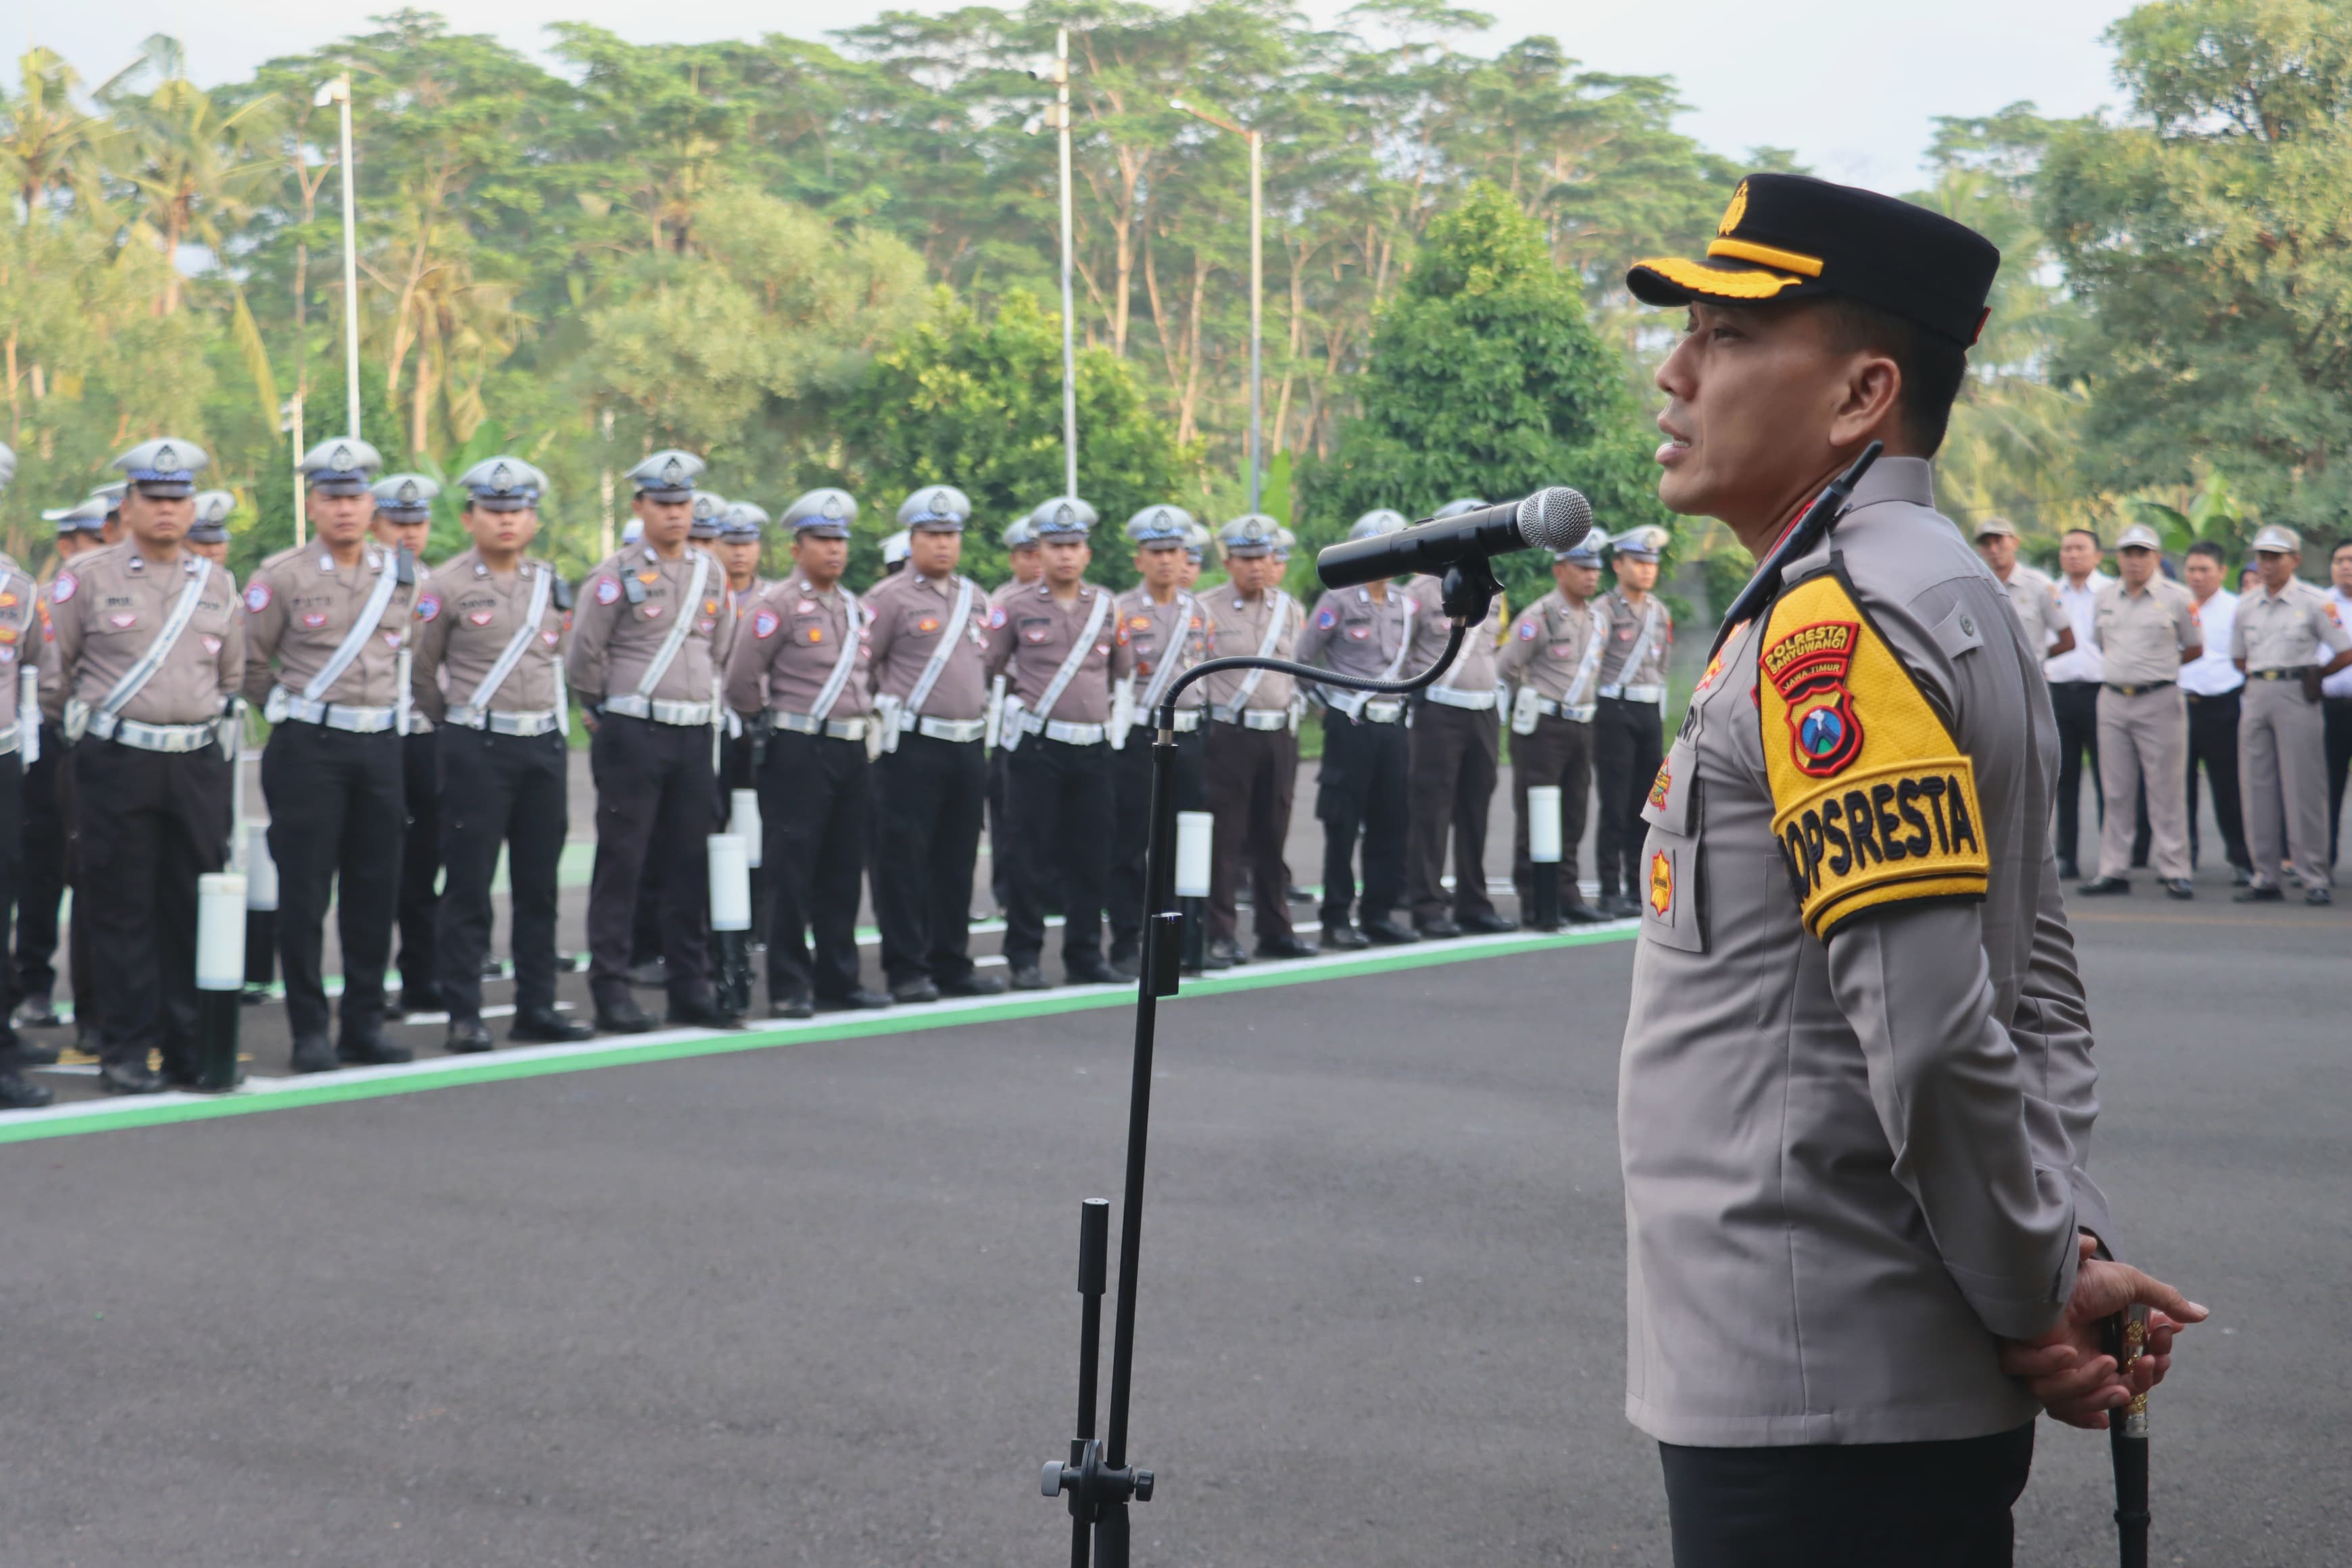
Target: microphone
[{"x": 1552, "y": 519}]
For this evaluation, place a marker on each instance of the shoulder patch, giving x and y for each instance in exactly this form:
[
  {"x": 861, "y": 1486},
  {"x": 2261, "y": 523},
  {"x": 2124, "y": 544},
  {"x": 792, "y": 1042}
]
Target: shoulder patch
[
  {"x": 1872, "y": 802},
  {"x": 608, "y": 591},
  {"x": 1527, "y": 630},
  {"x": 1326, "y": 619},
  {"x": 63, "y": 588},
  {"x": 764, "y": 623},
  {"x": 996, "y": 615},
  {"x": 427, "y": 607},
  {"x": 257, "y": 597}
]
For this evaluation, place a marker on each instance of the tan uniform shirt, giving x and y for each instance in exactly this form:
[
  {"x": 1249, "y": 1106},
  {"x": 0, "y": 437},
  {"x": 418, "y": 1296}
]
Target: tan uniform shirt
[
  {"x": 1350, "y": 633},
  {"x": 790, "y": 644},
  {"x": 1031, "y": 633},
  {"x": 1546, "y": 648},
  {"x": 2034, "y": 598},
  {"x": 1474, "y": 667},
  {"x": 465, "y": 620},
  {"x": 740, "y": 600},
  {"x": 613, "y": 641},
  {"x": 105, "y": 609},
  {"x": 1622, "y": 621},
  {"x": 21, "y": 628},
  {"x": 1238, "y": 626},
  {"x": 2286, "y": 631},
  {"x": 1157, "y": 633},
  {"x": 909, "y": 614},
  {"x": 300, "y": 607},
  {"x": 1004, "y": 591},
  {"x": 2142, "y": 635}
]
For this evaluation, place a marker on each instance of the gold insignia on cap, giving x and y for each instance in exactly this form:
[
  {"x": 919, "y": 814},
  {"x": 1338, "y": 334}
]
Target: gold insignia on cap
[{"x": 1736, "y": 211}]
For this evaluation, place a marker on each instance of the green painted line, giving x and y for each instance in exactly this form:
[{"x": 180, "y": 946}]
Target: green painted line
[{"x": 19, "y": 1127}]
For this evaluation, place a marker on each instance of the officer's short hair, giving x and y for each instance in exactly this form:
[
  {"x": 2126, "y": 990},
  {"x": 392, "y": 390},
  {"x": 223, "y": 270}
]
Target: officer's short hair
[
  {"x": 2339, "y": 547},
  {"x": 2208, "y": 547},
  {"x": 2086, "y": 534},
  {"x": 1932, "y": 367}
]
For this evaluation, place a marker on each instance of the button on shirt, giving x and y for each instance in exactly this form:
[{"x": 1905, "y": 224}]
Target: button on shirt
[
  {"x": 105, "y": 611},
  {"x": 789, "y": 646},
  {"x": 2081, "y": 661},
  {"x": 615, "y": 638},
  {"x": 465, "y": 619},
  {"x": 2210, "y": 673},
  {"x": 2034, "y": 598},
  {"x": 2141, "y": 636},
  {"x": 1474, "y": 667},
  {"x": 1350, "y": 633},
  {"x": 2286, "y": 631},
  {"x": 1029, "y": 636},
  {"x": 1546, "y": 648},
  {"x": 1237, "y": 627},
  {"x": 1621, "y": 622},
  {"x": 300, "y": 607},
  {"x": 906, "y": 615}
]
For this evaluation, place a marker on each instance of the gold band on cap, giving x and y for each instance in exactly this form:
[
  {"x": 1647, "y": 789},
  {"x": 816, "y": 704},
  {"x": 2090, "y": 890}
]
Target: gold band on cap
[
  {"x": 1766, "y": 256},
  {"x": 1714, "y": 280}
]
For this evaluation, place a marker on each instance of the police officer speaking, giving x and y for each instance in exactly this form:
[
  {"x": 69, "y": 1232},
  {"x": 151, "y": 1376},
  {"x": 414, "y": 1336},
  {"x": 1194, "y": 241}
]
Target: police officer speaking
[
  {"x": 490, "y": 675},
  {"x": 332, "y": 616},
  {"x": 649, "y": 639},
  {"x": 1861, "y": 1240},
  {"x": 149, "y": 653}
]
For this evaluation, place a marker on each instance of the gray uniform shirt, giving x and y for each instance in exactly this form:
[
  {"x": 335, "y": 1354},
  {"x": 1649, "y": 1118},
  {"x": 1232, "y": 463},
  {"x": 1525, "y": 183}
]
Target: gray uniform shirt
[
  {"x": 1031, "y": 633},
  {"x": 613, "y": 641},
  {"x": 1546, "y": 648},
  {"x": 106, "y": 608},
  {"x": 1850, "y": 1168},
  {"x": 1155, "y": 633},
  {"x": 465, "y": 620},
  {"x": 1354, "y": 634},
  {"x": 2286, "y": 631},
  {"x": 2034, "y": 598},
  {"x": 2142, "y": 635},
  {"x": 300, "y": 607},
  {"x": 790, "y": 644},
  {"x": 909, "y": 614},
  {"x": 1474, "y": 667},
  {"x": 1238, "y": 626},
  {"x": 1622, "y": 621}
]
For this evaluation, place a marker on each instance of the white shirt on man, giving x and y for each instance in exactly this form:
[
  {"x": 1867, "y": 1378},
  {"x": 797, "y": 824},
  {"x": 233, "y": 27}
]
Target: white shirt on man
[
  {"x": 2340, "y": 683},
  {"x": 2081, "y": 662},
  {"x": 2213, "y": 673}
]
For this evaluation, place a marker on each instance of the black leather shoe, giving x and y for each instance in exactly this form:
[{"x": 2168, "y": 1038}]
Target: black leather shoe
[
  {"x": 2179, "y": 887},
  {"x": 129, "y": 1077},
  {"x": 18, "y": 1092},
  {"x": 2319, "y": 896},
  {"x": 1028, "y": 977},
  {"x": 1577, "y": 912},
  {"x": 1083, "y": 972},
  {"x": 2105, "y": 887},
  {"x": 313, "y": 1054},
  {"x": 624, "y": 1018},
  {"x": 1285, "y": 946},
  {"x": 858, "y": 1001},
  {"x": 1339, "y": 936},
  {"x": 1390, "y": 932},
  {"x": 918, "y": 990},
  {"x": 1437, "y": 930},
  {"x": 421, "y": 1001},
  {"x": 1619, "y": 907},
  {"x": 493, "y": 969},
  {"x": 35, "y": 1012},
  {"x": 1489, "y": 923},
  {"x": 1297, "y": 894},
  {"x": 652, "y": 972},
  {"x": 2240, "y": 877},
  {"x": 37, "y": 1053},
  {"x": 371, "y": 1050},
  {"x": 973, "y": 986},
  {"x": 1126, "y": 970},
  {"x": 2068, "y": 871},
  {"x": 703, "y": 1013},
  {"x": 2252, "y": 894},
  {"x": 549, "y": 1028},
  {"x": 468, "y": 1039},
  {"x": 1226, "y": 953},
  {"x": 791, "y": 1007}
]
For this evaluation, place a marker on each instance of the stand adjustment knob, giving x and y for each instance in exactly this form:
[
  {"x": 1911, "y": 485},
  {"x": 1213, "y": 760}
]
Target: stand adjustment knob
[
  {"x": 1143, "y": 1486},
  {"x": 1051, "y": 1483}
]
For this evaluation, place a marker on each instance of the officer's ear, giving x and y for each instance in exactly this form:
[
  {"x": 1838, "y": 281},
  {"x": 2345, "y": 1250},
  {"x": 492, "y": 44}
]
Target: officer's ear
[{"x": 563, "y": 594}]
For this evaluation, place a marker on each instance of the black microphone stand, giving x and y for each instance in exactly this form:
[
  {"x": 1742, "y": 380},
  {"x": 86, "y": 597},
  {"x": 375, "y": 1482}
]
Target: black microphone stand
[{"x": 1096, "y": 1479}]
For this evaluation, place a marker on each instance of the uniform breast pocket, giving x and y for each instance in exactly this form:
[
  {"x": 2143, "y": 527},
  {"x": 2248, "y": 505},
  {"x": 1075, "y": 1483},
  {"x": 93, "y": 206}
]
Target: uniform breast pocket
[
  {"x": 1671, "y": 879},
  {"x": 810, "y": 630},
  {"x": 920, "y": 625}
]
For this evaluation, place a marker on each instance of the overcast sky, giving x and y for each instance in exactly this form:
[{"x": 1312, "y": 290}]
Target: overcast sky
[{"x": 1853, "y": 85}]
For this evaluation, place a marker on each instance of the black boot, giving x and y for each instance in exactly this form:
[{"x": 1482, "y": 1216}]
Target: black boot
[{"x": 548, "y": 1027}]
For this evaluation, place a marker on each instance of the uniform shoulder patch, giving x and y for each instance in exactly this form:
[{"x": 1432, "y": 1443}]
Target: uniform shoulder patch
[
  {"x": 257, "y": 597},
  {"x": 427, "y": 607},
  {"x": 608, "y": 591},
  {"x": 1527, "y": 629},
  {"x": 764, "y": 623},
  {"x": 63, "y": 588},
  {"x": 996, "y": 617},
  {"x": 1873, "y": 803},
  {"x": 1326, "y": 619}
]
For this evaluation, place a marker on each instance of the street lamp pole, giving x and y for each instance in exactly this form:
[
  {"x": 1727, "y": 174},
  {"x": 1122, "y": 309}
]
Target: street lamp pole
[
  {"x": 339, "y": 92},
  {"x": 1069, "y": 312},
  {"x": 1257, "y": 291}
]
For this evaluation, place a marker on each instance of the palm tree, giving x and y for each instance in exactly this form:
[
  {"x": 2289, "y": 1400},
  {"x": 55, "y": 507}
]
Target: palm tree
[{"x": 45, "y": 143}]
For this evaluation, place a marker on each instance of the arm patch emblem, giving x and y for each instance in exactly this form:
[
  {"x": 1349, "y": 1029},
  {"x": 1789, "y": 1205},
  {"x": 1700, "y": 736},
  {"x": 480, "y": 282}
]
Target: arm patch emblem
[{"x": 1873, "y": 803}]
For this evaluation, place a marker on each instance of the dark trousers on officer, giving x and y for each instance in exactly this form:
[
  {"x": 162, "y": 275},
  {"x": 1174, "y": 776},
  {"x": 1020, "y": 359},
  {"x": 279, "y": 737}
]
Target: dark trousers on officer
[
  {"x": 2337, "y": 715},
  {"x": 2213, "y": 745},
  {"x": 1455, "y": 754},
  {"x": 40, "y": 876},
  {"x": 1557, "y": 753},
  {"x": 1001, "y": 852},
  {"x": 2076, "y": 703},
  {"x": 12, "y": 819},
  {"x": 420, "y": 868},
  {"x": 1360, "y": 791},
  {"x": 1252, "y": 775},
  {"x": 1628, "y": 745},
  {"x": 502, "y": 790},
  {"x": 1130, "y": 771},
  {"x": 813, "y": 805},
  {"x": 147, "y": 825},
  {"x": 337, "y": 810},
  {"x": 1853, "y": 1505},
  {"x": 656, "y": 804},
  {"x": 1060, "y": 797},
  {"x": 928, "y": 799},
  {"x": 645, "y": 916}
]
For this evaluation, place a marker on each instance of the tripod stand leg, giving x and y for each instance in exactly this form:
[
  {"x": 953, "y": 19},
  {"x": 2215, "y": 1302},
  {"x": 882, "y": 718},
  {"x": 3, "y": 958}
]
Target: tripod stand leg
[{"x": 1111, "y": 1537}]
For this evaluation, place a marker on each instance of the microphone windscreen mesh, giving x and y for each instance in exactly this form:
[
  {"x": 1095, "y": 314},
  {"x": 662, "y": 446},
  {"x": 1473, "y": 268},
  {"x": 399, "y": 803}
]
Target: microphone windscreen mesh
[{"x": 1555, "y": 519}]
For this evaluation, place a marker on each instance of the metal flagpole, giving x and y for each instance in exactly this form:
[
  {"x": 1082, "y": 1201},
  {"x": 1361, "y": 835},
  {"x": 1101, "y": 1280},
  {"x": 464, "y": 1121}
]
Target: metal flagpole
[
  {"x": 1070, "y": 313},
  {"x": 342, "y": 87}
]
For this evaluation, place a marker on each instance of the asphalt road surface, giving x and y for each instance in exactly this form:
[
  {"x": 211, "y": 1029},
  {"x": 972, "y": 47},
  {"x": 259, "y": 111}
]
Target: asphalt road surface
[{"x": 810, "y": 1300}]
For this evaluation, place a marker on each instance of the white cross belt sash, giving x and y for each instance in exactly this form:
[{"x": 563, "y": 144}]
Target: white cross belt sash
[
  {"x": 511, "y": 655},
  {"x": 842, "y": 665},
  {"x": 140, "y": 674},
  {"x": 1071, "y": 662},
  {"x": 1352, "y": 703},
  {"x": 937, "y": 665},
  {"x": 1231, "y": 713},
  {"x": 1635, "y": 660},
  {"x": 666, "y": 655},
  {"x": 371, "y": 614}
]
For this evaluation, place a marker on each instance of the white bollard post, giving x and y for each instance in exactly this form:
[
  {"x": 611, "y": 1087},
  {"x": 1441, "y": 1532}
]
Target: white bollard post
[
  {"x": 1195, "y": 830},
  {"x": 743, "y": 822},
  {"x": 1544, "y": 851},
  {"x": 731, "y": 921},
  {"x": 221, "y": 915},
  {"x": 260, "y": 912}
]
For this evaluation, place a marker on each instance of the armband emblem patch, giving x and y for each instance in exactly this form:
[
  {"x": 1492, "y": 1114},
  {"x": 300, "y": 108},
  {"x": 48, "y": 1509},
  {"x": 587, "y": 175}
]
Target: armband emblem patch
[{"x": 1808, "y": 667}]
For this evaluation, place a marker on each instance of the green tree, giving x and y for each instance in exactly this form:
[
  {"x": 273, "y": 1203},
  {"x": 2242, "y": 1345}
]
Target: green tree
[{"x": 1486, "y": 379}]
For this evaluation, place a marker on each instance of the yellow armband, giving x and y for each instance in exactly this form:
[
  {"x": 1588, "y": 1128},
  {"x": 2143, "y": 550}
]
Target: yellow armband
[{"x": 1872, "y": 802}]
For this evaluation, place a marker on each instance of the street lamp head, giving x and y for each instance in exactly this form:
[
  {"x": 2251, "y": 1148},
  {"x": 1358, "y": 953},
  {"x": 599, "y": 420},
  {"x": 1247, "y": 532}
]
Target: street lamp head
[{"x": 336, "y": 92}]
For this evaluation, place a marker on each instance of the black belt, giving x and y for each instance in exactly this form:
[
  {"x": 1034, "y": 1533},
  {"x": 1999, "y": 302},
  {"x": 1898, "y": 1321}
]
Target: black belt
[
  {"x": 2294, "y": 674},
  {"x": 2136, "y": 690},
  {"x": 2207, "y": 696}
]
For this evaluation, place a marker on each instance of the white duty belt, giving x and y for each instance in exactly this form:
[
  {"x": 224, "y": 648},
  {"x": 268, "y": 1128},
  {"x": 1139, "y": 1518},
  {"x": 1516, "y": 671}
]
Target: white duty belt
[
  {"x": 1237, "y": 711},
  {"x": 1021, "y": 722},
  {"x": 106, "y": 721},
  {"x": 642, "y": 703},
  {"x": 311, "y": 706}
]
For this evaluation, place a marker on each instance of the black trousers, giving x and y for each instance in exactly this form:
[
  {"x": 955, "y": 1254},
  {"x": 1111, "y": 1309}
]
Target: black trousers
[
  {"x": 1628, "y": 745},
  {"x": 40, "y": 875},
  {"x": 502, "y": 790},
  {"x": 1861, "y": 1505},
  {"x": 82, "y": 966},
  {"x": 2336, "y": 713},
  {"x": 337, "y": 811},
  {"x": 420, "y": 866},
  {"x": 1558, "y": 754},
  {"x": 2213, "y": 744},
  {"x": 146, "y": 826},
  {"x": 2076, "y": 703},
  {"x": 12, "y": 791},
  {"x": 1059, "y": 799},
  {"x": 813, "y": 807},
  {"x": 1253, "y": 777},
  {"x": 1001, "y": 851},
  {"x": 1361, "y": 791},
  {"x": 645, "y": 918},
  {"x": 656, "y": 804},
  {"x": 1131, "y": 774},
  {"x": 1456, "y": 753},
  {"x": 929, "y": 797}
]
